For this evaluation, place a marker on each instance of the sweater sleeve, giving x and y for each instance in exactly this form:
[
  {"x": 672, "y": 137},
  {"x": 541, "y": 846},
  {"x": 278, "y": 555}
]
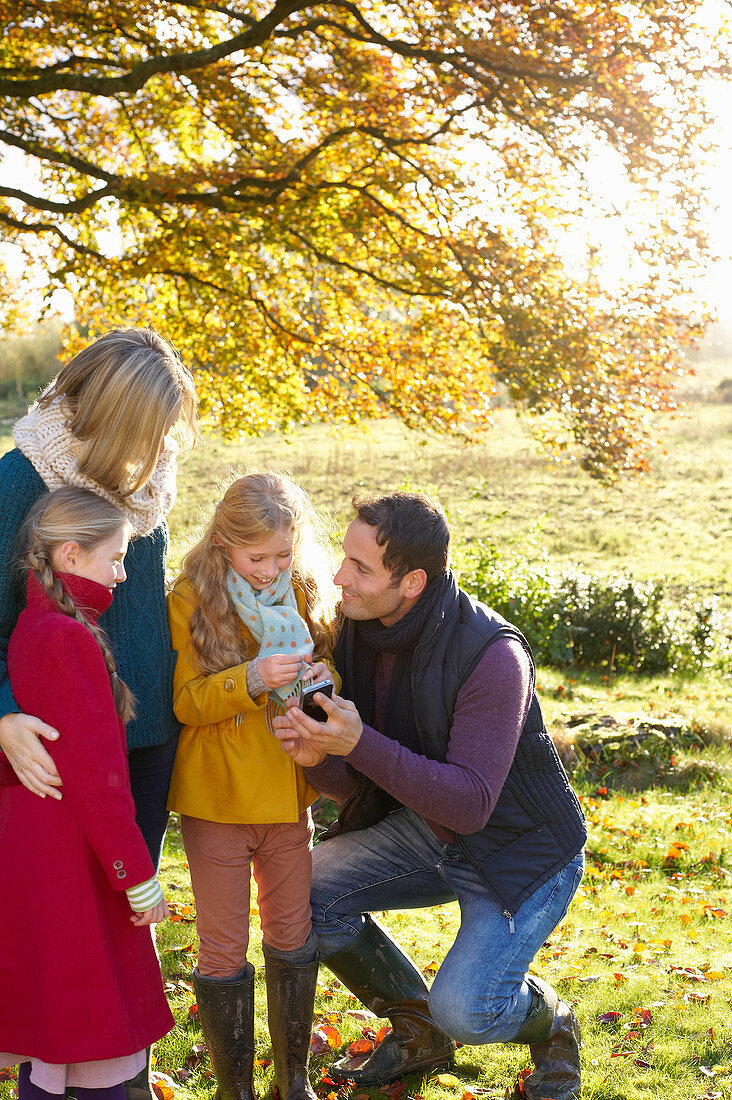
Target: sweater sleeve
[
  {"x": 490, "y": 712},
  {"x": 331, "y": 778},
  {"x": 76, "y": 697},
  {"x": 201, "y": 700},
  {"x": 20, "y": 487}
]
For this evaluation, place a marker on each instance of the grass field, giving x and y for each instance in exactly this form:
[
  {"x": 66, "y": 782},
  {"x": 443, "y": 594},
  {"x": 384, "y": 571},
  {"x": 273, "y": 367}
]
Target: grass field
[
  {"x": 675, "y": 521},
  {"x": 645, "y": 953}
]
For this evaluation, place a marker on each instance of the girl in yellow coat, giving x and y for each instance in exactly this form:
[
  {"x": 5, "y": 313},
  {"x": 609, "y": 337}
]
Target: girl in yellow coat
[{"x": 248, "y": 619}]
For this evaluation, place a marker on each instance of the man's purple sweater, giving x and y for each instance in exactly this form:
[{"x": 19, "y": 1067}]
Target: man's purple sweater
[{"x": 456, "y": 796}]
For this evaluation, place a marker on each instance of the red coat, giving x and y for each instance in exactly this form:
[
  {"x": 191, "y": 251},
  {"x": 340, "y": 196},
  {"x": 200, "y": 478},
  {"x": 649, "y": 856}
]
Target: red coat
[{"x": 78, "y": 981}]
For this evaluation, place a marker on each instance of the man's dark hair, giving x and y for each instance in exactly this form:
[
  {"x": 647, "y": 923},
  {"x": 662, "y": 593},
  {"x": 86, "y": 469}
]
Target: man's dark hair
[{"x": 412, "y": 529}]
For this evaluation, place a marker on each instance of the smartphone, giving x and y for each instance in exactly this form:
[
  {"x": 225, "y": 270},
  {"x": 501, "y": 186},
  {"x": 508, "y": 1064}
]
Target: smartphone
[{"x": 307, "y": 706}]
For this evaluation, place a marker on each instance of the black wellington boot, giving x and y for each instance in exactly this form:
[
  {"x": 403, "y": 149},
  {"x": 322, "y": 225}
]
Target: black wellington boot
[
  {"x": 138, "y": 1088},
  {"x": 290, "y": 1001},
  {"x": 375, "y": 968},
  {"x": 226, "y": 1015},
  {"x": 554, "y": 1036}
]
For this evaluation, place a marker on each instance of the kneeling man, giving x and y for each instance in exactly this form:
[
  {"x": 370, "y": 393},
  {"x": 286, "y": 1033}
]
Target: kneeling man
[{"x": 451, "y": 790}]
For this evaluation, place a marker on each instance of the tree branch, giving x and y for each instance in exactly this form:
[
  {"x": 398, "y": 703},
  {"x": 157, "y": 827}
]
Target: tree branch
[
  {"x": 138, "y": 75},
  {"x": 38, "y": 228},
  {"x": 73, "y": 207}
]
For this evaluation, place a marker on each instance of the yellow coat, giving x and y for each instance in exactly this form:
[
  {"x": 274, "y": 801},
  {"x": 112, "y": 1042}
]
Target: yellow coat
[{"x": 228, "y": 766}]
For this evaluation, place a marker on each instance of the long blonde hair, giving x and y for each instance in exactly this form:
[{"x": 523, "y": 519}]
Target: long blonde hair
[
  {"x": 254, "y": 507},
  {"x": 120, "y": 393},
  {"x": 82, "y": 516}
]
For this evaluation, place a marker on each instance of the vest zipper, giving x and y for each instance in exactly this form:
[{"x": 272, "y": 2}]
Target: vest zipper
[{"x": 511, "y": 927}]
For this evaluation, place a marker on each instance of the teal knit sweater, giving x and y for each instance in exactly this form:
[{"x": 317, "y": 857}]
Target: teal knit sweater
[{"x": 136, "y": 623}]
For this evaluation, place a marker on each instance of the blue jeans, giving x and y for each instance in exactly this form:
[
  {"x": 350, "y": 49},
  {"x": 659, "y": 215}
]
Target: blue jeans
[{"x": 479, "y": 994}]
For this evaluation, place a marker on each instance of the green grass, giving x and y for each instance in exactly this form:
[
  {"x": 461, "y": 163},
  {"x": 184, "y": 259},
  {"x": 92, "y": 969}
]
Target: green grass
[
  {"x": 675, "y": 521},
  {"x": 648, "y": 936}
]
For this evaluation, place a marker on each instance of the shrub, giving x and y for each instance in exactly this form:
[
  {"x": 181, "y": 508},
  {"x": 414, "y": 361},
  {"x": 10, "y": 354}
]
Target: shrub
[{"x": 596, "y": 621}]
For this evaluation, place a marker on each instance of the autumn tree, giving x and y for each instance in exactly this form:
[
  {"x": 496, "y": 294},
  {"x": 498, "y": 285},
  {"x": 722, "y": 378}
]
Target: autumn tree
[{"x": 354, "y": 207}]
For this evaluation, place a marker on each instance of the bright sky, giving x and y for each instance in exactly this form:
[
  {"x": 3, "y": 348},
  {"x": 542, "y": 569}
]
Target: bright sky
[{"x": 719, "y": 175}]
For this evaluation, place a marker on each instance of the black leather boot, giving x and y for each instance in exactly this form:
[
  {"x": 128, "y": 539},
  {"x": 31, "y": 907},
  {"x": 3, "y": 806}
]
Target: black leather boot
[
  {"x": 554, "y": 1036},
  {"x": 226, "y": 1015},
  {"x": 138, "y": 1088},
  {"x": 290, "y": 1001},
  {"x": 375, "y": 968}
]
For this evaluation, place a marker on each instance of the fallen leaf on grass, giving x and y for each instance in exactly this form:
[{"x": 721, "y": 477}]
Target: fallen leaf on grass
[
  {"x": 696, "y": 998},
  {"x": 162, "y": 1085},
  {"x": 447, "y": 1080},
  {"x": 8, "y": 1073},
  {"x": 393, "y": 1091},
  {"x": 325, "y": 1038},
  {"x": 363, "y": 1045},
  {"x": 609, "y": 1017}
]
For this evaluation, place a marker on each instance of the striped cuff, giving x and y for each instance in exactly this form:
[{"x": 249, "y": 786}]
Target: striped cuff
[{"x": 145, "y": 896}]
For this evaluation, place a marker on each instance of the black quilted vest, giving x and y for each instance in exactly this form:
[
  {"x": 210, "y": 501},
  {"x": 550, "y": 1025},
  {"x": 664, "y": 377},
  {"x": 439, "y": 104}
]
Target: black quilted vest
[{"x": 537, "y": 825}]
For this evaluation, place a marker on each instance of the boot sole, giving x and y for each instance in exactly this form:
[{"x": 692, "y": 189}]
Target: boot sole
[{"x": 372, "y": 1081}]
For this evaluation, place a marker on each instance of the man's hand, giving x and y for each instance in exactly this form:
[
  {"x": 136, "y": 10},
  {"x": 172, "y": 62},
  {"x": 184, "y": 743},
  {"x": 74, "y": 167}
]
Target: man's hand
[
  {"x": 302, "y": 752},
  {"x": 336, "y": 737},
  {"x": 20, "y": 741}
]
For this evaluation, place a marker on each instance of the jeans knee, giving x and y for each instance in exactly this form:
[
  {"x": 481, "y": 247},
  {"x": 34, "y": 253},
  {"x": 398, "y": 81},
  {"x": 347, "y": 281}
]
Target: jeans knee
[{"x": 471, "y": 1021}]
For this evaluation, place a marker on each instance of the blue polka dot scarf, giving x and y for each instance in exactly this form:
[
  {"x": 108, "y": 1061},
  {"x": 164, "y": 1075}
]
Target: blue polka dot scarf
[{"x": 272, "y": 618}]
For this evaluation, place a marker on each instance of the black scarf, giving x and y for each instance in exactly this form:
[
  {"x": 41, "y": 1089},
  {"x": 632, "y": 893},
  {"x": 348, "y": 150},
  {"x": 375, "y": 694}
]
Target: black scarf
[{"x": 360, "y": 642}]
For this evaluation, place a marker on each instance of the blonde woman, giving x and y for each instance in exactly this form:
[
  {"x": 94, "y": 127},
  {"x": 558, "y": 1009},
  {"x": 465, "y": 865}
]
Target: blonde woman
[{"x": 104, "y": 424}]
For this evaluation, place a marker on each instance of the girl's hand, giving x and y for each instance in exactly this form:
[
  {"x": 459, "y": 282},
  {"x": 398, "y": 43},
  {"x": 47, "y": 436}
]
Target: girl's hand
[
  {"x": 318, "y": 671},
  {"x": 152, "y": 916},
  {"x": 20, "y": 741},
  {"x": 280, "y": 669}
]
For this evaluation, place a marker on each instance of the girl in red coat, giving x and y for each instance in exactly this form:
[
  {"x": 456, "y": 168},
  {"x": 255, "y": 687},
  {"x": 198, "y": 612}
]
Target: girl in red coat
[{"x": 81, "y": 995}]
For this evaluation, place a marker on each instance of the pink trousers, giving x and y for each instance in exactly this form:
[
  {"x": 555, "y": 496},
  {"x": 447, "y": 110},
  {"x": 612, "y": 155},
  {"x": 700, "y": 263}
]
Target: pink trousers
[{"x": 221, "y": 858}]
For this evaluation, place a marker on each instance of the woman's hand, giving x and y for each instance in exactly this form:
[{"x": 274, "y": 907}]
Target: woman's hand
[
  {"x": 280, "y": 669},
  {"x": 20, "y": 741},
  {"x": 152, "y": 916}
]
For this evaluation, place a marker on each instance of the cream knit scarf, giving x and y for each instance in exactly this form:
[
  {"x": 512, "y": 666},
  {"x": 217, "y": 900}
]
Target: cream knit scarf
[{"x": 44, "y": 437}]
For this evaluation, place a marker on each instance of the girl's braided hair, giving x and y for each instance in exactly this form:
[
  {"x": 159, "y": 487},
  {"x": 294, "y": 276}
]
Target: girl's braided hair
[{"x": 78, "y": 515}]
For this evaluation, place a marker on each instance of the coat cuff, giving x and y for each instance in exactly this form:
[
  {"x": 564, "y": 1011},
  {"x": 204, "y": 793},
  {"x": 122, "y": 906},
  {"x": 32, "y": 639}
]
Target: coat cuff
[
  {"x": 255, "y": 684},
  {"x": 145, "y": 896}
]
